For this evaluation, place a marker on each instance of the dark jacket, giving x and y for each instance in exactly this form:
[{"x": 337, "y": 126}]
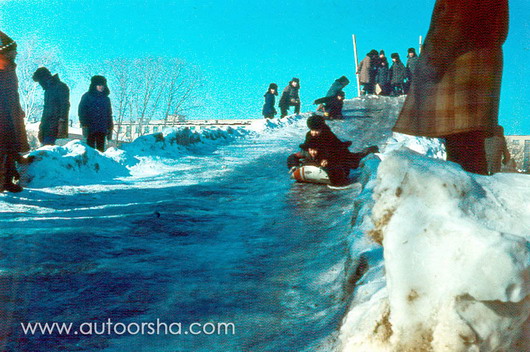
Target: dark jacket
[
  {"x": 268, "y": 107},
  {"x": 383, "y": 74},
  {"x": 95, "y": 111},
  {"x": 13, "y": 138},
  {"x": 398, "y": 73},
  {"x": 330, "y": 145},
  {"x": 290, "y": 93},
  {"x": 337, "y": 86},
  {"x": 56, "y": 108},
  {"x": 412, "y": 62}
]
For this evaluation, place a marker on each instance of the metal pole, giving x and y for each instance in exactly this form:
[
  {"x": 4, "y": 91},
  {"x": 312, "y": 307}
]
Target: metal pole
[
  {"x": 421, "y": 45},
  {"x": 356, "y": 65}
]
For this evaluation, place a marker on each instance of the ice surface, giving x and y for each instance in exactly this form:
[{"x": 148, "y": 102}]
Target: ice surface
[{"x": 202, "y": 224}]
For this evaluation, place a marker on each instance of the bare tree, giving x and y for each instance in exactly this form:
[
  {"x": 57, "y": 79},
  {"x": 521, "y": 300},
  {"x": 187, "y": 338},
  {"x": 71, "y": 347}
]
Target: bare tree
[
  {"x": 181, "y": 84},
  {"x": 147, "y": 89}
]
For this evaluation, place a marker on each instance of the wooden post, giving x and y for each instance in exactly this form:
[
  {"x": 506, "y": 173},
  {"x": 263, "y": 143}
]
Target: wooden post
[
  {"x": 421, "y": 45},
  {"x": 356, "y": 65}
]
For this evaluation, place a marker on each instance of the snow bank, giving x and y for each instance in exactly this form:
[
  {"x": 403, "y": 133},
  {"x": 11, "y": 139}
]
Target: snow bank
[
  {"x": 456, "y": 273},
  {"x": 72, "y": 164},
  {"x": 77, "y": 164}
]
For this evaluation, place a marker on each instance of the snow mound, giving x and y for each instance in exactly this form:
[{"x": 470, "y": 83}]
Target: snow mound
[
  {"x": 72, "y": 164},
  {"x": 77, "y": 164},
  {"x": 183, "y": 139},
  {"x": 456, "y": 261}
]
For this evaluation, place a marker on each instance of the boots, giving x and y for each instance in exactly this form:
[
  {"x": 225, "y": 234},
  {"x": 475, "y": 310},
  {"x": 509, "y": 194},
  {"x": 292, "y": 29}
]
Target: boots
[{"x": 8, "y": 172}]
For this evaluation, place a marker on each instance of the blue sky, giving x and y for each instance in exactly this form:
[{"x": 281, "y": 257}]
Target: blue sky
[{"x": 242, "y": 45}]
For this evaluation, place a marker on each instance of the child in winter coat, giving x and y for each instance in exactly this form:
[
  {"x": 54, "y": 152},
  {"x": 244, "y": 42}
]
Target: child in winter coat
[
  {"x": 290, "y": 97},
  {"x": 398, "y": 73},
  {"x": 95, "y": 113},
  {"x": 333, "y": 154},
  {"x": 268, "y": 108}
]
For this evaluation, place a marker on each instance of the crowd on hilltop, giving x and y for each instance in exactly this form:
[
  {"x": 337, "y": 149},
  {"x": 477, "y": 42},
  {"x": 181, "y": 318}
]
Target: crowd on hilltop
[{"x": 377, "y": 76}]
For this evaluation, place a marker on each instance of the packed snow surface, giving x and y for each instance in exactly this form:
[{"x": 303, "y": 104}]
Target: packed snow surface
[{"x": 204, "y": 225}]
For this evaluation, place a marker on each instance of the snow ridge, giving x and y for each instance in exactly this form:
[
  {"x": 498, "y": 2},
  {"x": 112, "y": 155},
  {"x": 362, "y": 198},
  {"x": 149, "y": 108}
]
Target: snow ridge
[
  {"x": 456, "y": 277},
  {"x": 76, "y": 164}
]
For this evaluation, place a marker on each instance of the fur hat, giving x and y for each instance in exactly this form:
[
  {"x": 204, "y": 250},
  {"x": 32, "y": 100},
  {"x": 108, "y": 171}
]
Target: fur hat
[
  {"x": 382, "y": 52},
  {"x": 98, "y": 81},
  {"x": 297, "y": 80},
  {"x": 312, "y": 143},
  {"x": 273, "y": 86},
  {"x": 6, "y": 43},
  {"x": 395, "y": 56},
  {"x": 315, "y": 122},
  {"x": 41, "y": 74},
  {"x": 412, "y": 50}
]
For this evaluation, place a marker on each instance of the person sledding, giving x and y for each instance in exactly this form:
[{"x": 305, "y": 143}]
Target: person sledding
[
  {"x": 333, "y": 102},
  {"x": 332, "y": 153},
  {"x": 312, "y": 154}
]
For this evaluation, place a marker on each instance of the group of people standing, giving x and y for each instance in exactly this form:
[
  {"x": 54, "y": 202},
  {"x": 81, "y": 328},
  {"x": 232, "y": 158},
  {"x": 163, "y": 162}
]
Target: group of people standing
[
  {"x": 290, "y": 97},
  {"x": 375, "y": 75},
  {"x": 95, "y": 111},
  {"x": 95, "y": 114},
  {"x": 331, "y": 104},
  {"x": 378, "y": 77}
]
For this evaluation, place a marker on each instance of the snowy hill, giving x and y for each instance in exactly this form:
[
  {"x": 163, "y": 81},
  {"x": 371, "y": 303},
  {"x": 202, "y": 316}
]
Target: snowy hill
[{"x": 203, "y": 224}]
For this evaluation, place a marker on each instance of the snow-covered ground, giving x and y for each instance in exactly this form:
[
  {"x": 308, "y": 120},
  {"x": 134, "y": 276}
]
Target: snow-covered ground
[{"x": 203, "y": 224}]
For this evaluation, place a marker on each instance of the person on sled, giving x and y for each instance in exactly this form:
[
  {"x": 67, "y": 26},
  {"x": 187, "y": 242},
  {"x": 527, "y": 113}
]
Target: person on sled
[{"x": 333, "y": 154}]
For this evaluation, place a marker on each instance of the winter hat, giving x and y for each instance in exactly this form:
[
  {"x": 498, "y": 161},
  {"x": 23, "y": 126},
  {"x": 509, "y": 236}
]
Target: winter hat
[
  {"x": 98, "y": 81},
  {"x": 6, "y": 43},
  {"x": 41, "y": 74},
  {"x": 382, "y": 52},
  {"x": 394, "y": 56},
  {"x": 297, "y": 80},
  {"x": 315, "y": 122},
  {"x": 372, "y": 52},
  {"x": 312, "y": 143},
  {"x": 412, "y": 50},
  {"x": 344, "y": 80},
  {"x": 273, "y": 86},
  {"x": 341, "y": 94}
]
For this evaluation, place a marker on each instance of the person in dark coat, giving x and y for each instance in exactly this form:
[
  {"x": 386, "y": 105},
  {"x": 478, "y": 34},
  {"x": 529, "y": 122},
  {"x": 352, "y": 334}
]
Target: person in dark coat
[
  {"x": 398, "y": 73},
  {"x": 333, "y": 109},
  {"x": 95, "y": 113},
  {"x": 54, "y": 121},
  {"x": 333, "y": 102},
  {"x": 338, "y": 159},
  {"x": 13, "y": 138},
  {"x": 270, "y": 97},
  {"x": 337, "y": 86},
  {"x": 382, "y": 77},
  {"x": 412, "y": 62},
  {"x": 290, "y": 97}
]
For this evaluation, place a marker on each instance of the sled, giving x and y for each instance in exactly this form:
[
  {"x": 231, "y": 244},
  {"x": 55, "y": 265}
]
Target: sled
[{"x": 311, "y": 174}]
